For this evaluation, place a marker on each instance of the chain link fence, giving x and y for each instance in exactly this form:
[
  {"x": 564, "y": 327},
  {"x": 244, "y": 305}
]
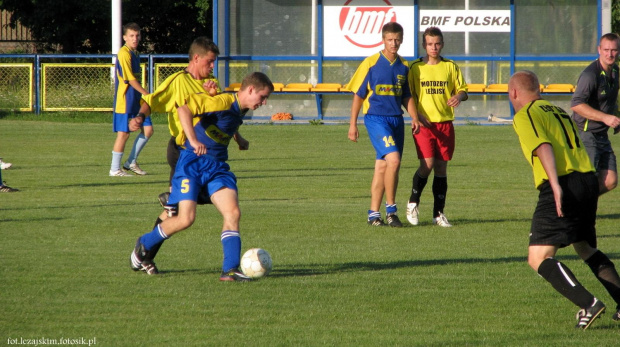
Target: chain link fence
[
  {"x": 16, "y": 91},
  {"x": 87, "y": 83}
]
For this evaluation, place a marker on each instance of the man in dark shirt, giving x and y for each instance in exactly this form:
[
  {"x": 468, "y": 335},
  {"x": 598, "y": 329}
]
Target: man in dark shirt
[{"x": 594, "y": 104}]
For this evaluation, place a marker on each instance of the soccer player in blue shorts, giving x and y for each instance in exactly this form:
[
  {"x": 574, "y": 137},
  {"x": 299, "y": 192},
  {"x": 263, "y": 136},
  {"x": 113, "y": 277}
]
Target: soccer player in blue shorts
[
  {"x": 567, "y": 201},
  {"x": 127, "y": 104},
  {"x": 209, "y": 124},
  {"x": 380, "y": 86}
]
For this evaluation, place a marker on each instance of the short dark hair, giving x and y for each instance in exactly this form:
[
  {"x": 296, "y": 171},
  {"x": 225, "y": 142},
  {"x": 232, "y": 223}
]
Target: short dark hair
[
  {"x": 391, "y": 27},
  {"x": 610, "y": 37},
  {"x": 130, "y": 26},
  {"x": 201, "y": 46},
  {"x": 258, "y": 80},
  {"x": 431, "y": 31}
]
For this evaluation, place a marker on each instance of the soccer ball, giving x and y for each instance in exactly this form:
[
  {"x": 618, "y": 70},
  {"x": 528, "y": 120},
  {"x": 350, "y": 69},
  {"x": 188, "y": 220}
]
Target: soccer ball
[{"x": 256, "y": 262}]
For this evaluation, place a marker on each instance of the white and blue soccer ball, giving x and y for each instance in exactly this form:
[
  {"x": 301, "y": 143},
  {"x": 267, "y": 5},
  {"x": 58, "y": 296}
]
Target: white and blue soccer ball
[{"x": 256, "y": 263}]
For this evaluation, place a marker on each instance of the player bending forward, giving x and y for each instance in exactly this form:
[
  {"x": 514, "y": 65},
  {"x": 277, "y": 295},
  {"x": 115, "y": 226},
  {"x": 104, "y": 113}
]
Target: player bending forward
[
  {"x": 566, "y": 210},
  {"x": 209, "y": 123}
]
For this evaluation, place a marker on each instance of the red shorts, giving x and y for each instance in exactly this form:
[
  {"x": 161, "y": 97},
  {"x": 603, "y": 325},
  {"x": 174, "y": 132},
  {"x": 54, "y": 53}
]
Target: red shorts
[{"x": 436, "y": 141}]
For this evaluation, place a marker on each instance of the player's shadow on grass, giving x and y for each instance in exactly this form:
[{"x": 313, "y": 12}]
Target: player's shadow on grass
[
  {"x": 128, "y": 182},
  {"x": 311, "y": 269},
  {"x": 608, "y": 216}
]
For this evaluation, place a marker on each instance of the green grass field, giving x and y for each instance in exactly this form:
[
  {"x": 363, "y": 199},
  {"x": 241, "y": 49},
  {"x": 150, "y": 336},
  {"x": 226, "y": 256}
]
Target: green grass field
[{"x": 304, "y": 191}]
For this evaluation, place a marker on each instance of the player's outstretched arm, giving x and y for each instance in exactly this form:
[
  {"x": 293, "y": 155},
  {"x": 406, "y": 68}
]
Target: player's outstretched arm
[
  {"x": 588, "y": 112},
  {"x": 136, "y": 122}
]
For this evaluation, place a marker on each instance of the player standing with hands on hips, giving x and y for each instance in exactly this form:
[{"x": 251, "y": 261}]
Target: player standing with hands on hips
[
  {"x": 127, "y": 104},
  {"x": 438, "y": 87},
  {"x": 380, "y": 86},
  {"x": 567, "y": 201},
  {"x": 594, "y": 105}
]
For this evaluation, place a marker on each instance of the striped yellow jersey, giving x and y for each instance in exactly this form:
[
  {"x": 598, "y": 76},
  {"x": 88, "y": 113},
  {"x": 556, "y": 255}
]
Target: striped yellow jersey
[{"x": 541, "y": 122}]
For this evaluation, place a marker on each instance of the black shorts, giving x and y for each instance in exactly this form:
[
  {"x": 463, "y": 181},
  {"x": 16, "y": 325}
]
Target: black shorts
[
  {"x": 599, "y": 150},
  {"x": 172, "y": 155},
  {"x": 579, "y": 203}
]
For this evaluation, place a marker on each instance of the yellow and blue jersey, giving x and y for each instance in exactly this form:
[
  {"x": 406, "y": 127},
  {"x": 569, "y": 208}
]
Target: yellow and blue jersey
[
  {"x": 216, "y": 120},
  {"x": 541, "y": 122},
  {"x": 127, "y": 98},
  {"x": 382, "y": 84},
  {"x": 173, "y": 92},
  {"x": 432, "y": 85}
]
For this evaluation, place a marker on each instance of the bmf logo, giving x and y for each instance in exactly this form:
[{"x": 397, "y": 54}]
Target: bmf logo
[{"x": 361, "y": 25}]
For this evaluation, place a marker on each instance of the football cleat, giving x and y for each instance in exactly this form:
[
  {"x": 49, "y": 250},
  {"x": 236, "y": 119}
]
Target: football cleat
[
  {"x": 616, "y": 315},
  {"x": 586, "y": 316},
  {"x": 6, "y": 189},
  {"x": 142, "y": 260},
  {"x": 393, "y": 221},
  {"x": 163, "y": 199},
  {"x": 171, "y": 210},
  {"x": 119, "y": 173},
  {"x": 134, "y": 168},
  {"x": 234, "y": 275},
  {"x": 4, "y": 165},
  {"x": 376, "y": 222},
  {"x": 442, "y": 221},
  {"x": 412, "y": 213}
]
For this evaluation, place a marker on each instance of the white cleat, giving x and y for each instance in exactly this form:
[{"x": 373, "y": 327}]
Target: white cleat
[
  {"x": 442, "y": 221},
  {"x": 135, "y": 169},
  {"x": 412, "y": 213},
  {"x": 119, "y": 173},
  {"x": 4, "y": 165}
]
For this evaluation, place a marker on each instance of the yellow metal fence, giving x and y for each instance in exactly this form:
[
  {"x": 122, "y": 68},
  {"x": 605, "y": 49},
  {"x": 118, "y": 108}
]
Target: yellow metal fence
[{"x": 90, "y": 86}]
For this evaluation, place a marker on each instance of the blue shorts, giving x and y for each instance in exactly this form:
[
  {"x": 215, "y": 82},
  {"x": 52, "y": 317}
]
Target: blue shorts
[
  {"x": 387, "y": 134},
  {"x": 194, "y": 173},
  {"x": 121, "y": 121}
]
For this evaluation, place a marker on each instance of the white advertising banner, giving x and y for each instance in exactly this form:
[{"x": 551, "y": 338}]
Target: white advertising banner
[
  {"x": 353, "y": 28},
  {"x": 497, "y": 21}
]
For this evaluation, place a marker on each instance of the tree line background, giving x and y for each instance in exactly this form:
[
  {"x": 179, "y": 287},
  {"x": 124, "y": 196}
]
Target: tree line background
[{"x": 83, "y": 26}]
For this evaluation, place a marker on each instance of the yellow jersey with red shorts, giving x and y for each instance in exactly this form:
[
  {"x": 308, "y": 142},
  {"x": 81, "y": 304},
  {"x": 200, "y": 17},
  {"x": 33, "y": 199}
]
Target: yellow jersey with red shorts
[{"x": 432, "y": 85}]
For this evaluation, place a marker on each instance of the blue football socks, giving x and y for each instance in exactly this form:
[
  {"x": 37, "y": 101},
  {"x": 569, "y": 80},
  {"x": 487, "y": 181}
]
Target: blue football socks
[
  {"x": 231, "y": 245},
  {"x": 390, "y": 209},
  {"x": 153, "y": 238}
]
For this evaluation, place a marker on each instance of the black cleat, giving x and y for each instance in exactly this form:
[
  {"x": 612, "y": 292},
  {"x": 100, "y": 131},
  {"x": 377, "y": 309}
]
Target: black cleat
[
  {"x": 376, "y": 222},
  {"x": 616, "y": 315},
  {"x": 171, "y": 210},
  {"x": 6, "y": 189},
  {"x": 393, "y": 221},
  {"x": 586, "y": 316},
  {"x": 234, "y": 275},
  {"x": 163, "y": 199},
  {"x": 142, "y": 260}
]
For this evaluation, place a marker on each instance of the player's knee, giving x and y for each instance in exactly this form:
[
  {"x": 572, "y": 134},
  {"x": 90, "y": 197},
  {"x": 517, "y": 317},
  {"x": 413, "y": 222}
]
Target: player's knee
[
  {"x": 534, "y": 261},
  {"x": 185, "y": 220},
  {"x": 148, "y": 132}
]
